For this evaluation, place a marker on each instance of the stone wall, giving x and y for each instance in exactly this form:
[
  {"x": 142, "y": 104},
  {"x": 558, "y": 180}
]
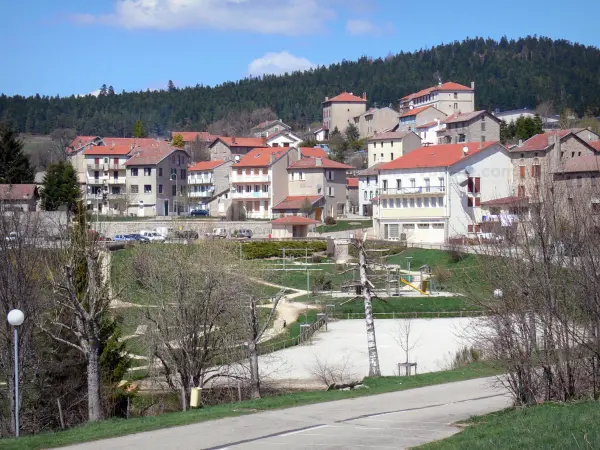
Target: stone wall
[{"x": 110, "y": 229}]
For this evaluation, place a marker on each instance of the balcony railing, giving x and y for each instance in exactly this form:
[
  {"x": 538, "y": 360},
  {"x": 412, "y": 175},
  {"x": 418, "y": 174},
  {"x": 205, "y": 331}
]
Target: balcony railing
[
  {"x": 116, "y": 180},
  {"x": 252, "y": 178},
  {"x": 414, "y": 190},
  {"x": 253, "y": 194},
  {"x": 106, "y": 166},
  {"x": 200, "y": 180},
  {"x": 201, "y": 194}
]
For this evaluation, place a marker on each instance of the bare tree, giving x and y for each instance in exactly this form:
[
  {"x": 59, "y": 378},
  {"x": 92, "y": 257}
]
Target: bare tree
[
  {"x": 403, "y": 338},
  {"x": 62, "y": 138},
  {"x": 239, "y": 123},
  {"x": 367, "y": 292},
  {"x": 199, "y": 150},
  {"x": 80, "y": 301},
  {"x": 329, "y": 373},
  {"x": 545, "y": 110}
]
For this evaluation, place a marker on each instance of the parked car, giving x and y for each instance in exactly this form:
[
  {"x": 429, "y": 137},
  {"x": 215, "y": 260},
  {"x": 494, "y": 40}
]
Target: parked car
[
  {"x": 217, "y": 233},
  {"x": 123, "y": 237},
  {"x": 186, "y": 234},
  {"x": 242, "y": 233},
  {"x": 199, "y": 212},
  {"x": 490, "y": 238},
  {"x": 138, "y": 237},
  {"x": 152, "y": 236},
  {"x": 12, "y": 236}
]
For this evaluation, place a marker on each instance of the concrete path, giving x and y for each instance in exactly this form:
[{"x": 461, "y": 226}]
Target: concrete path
[{"x": 387, "y": 421}]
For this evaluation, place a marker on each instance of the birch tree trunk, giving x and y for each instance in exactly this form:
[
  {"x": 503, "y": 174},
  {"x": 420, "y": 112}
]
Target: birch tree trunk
[
  {"x": 374, "y": 370},
  {"x": 93, "y": 378},
  {"x": 253, "y": 352}
]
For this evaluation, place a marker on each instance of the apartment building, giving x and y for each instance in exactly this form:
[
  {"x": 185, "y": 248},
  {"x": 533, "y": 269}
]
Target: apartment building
[
  {"x": 449, "y": 98},
  {"x": 317, "y": 189},
  {"x": 312, "y": 152},
  {"x": 340, "y": 111},
  {"x": 368, "y": 189},
  {"x": 428, "y": 132},
  {"x": 435, "y": 193},
  {"x": 376, "y": 120},
  {"x": 269, "y": 128},
  {"x": 156, "y": 182},
  {"x": 411, "y": 119},
  {"x": 477, "y": 126},
  {"x": 385, "y": 147},
  {"x": 227, "y": 148},
  {"x": 208, "y": 184},
  {"x": 105, "y": 179},
  {"x": 259, "y": 180}
]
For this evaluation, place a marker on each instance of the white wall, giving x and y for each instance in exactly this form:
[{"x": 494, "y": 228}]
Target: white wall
[
  {"x": 366, "y": 188},
  {"x": 283, "y": 139}
]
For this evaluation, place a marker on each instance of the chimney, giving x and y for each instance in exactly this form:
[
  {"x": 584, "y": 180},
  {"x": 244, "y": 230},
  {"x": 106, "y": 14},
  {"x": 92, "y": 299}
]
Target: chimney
[
  {"x": 473, "y": 85},
  {"x": 233, "y": 140},
  {"x": 319, "y": 162},
  {"x": 520, "y": 142},
  {"x": 326, "y": 98},
  {"x": 273, "y": 158},
  {"x": 299, "y": 152},
  {"x": 364, "y": 95}
]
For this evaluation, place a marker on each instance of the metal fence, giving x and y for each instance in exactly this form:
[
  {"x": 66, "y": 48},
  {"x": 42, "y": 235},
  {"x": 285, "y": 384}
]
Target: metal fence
[{"x": 409, "y": 315}]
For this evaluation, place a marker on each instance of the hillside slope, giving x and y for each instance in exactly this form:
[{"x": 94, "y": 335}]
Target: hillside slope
[{"x": 507, "y": 74}]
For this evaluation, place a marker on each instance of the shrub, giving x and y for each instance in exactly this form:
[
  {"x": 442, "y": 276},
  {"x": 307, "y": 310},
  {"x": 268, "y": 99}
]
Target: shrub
[
  {"x": 270, "y": 249},
  {"x": 330, "y": 221},
  {"x": 317, "y": 259},
  {"x": 321, "y": 282},
  {"x": 390, "y": 247}
]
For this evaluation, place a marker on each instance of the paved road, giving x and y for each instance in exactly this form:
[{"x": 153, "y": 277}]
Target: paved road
[{"x": 388, "y": 421}]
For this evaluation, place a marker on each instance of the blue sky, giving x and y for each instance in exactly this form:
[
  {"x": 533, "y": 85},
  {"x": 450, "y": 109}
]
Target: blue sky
[{"x": 74, "y": 46}]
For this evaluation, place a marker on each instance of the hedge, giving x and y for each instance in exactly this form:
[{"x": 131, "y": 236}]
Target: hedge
[
  {"x": 390, "y": 247},
  {"x": 269, "y": 249}
]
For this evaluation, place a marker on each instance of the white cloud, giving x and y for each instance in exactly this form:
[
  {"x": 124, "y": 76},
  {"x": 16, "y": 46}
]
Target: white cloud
[
  {"x": 278, "y": 63},
  {"x": 260, "y": 16},
  {"x": 360, "y": 27}
]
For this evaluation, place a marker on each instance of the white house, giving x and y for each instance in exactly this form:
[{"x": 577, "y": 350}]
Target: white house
[
  {"x": 283, "y": 138},
  {"x": 434, "y": 193},
  {"x": 368, "y": 186},
  {"x": 428, "y": 132}
]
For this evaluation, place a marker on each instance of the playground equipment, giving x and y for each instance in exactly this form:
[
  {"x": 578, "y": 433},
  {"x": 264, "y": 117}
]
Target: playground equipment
[{"x": 415, "y": 287}]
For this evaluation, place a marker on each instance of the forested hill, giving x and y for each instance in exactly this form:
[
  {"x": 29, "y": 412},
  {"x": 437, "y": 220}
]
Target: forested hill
[{"x": 507, "y": 74}]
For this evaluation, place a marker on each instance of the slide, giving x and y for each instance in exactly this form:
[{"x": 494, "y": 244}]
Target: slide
[{"x": 413, "y": 286}]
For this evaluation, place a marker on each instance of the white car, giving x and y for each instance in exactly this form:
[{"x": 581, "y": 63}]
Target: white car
[
  {"x": 12, "y": 236},
  {"x": 152, "y": 236}
]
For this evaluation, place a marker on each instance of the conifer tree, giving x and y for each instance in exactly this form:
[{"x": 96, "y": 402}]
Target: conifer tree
[
  {"x": 61, "y": 187},
  {"x": 139, "y": 131},
  {"x": 14, "y": 163}
]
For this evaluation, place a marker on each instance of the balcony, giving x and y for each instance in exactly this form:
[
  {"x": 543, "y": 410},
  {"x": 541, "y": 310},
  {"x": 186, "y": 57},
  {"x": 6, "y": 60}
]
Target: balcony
[
  {"x": 433, "y": 191},
  {"x": 201, "y": 194},
  {"x": 252, "y": 178},
  {"x": 249, "y": 195},
  {"x": 106, "y": 166},
  {"x": 114, "y": 181},
  {"x": 200, "y": 180}
]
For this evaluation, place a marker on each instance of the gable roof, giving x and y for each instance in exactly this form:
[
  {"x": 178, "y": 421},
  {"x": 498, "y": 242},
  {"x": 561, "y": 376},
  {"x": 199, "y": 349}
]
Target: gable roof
[
  {"x": 415, "y": 111},
  {"x": 458, "y": 117},
  {"x": 444, "y": 155},
  {"x": 142, "y": 142},
  {"x": 205, "y": 165},
  {"x": 192, "y": 136},
  {"x": 428, "y": 124},
  {"x": 101, "y": 150},
  {"x": 295, "y": 220},
  {"x": 81, "y": 141},
  {"x": 585, "y": 163},
  {"x": 151, "y": 155},
  {"x": 287, "y": 133},
  {"x": 268, "y": 123},
  {"x": 389, "y": 135},
  {"x": 595, "y": 145},
  {"x": 316, "y": 152},
  {"x": 541, "y": 141},
  {"x": 17, "y": 191},
  {"x": 292, "y": 202},
  {"x": 352, "y": 182},
  {"x": 373, "y": 110},
  {"x": 313, "y": 163},
  {"x": 448, "y": 86},
  {"x": 373, "y": 170},
  {"x": 242, "y": 141},
  {"x": 261, "y": 157},
  {"x": 346, "y": 97}
]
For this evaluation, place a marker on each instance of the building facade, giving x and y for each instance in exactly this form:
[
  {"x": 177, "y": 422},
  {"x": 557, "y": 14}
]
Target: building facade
[
  {"x": 376, "y": 120},
  {"x": 385, "y": 147},
  {"x": 227, "y": 148},
  {"x": 208, "y": 184},
  {"x": 411, "y": 119},
  {"x": 477, "y": 126},
  {"x": 340, "y": 111},
  {"x": 450, "y": 98},
  {"x": 269, "y": 128}
]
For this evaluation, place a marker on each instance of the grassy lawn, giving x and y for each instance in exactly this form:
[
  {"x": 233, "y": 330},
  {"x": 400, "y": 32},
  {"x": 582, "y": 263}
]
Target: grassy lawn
[
  {"x": 551, "y": 426},
  {"x": 431, "y": 258},
  {"x": 345, "y": 225},
  {"x": 296, "y": 279},
  {"x": 120, "y": 427}
]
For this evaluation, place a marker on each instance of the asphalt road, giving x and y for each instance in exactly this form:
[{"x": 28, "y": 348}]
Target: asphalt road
[{"x": 387, "y": 421}]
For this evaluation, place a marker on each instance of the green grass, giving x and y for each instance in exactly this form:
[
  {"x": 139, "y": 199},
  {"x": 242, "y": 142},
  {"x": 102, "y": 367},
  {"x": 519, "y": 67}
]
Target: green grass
[
  {"x": 296, "y": 279},
  {"x": 551, "y": 426},
  {"x": 431, "y": 258},
  {"x": 345, "y": 225},
  {"x": 121, "y": 427}
]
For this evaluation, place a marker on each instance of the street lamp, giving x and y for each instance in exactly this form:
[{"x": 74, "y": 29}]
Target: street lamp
[
  {"x": 16, "y": 317},
  {"x": 174, "y": 177},
  {"x": 408, "y": 258}
]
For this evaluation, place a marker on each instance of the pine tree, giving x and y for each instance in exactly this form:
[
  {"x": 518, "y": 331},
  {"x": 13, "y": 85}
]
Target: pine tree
[
  {"x": 139, "y": 131},
  {"x": 538, "y": 125},
  {"x": 504, "y": 132},
  {"x": 171, "y": 86},
  {"x": 338, "y": 145},
  {"x": 61, "y": 187},
  {"x": 111, "y": 90},
  {"x": 14, "y": 163},
  {"x": 103, "y": 90},
  {"x": 352, "y": 133}
]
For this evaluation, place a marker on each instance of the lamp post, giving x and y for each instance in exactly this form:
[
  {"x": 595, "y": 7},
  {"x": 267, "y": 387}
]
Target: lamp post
[
  {"x": 408, "y": 258},
  {"x": 16, "y": 317},
  {"x": 174, "y": 177}
]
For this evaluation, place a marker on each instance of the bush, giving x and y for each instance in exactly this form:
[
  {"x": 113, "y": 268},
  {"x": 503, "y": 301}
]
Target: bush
[
  {"x": 270, "y": 249},
  {"x": 330, "y": 221},
  {"x": 317, "y": 258},
  {"x": 321, "y": 282},
  {"x": 390, "y": 247}
]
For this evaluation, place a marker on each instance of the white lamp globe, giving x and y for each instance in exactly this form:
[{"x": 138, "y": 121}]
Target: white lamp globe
[
  {"x": 498, "y": 293},
  {"x": 15, "y": 317}
]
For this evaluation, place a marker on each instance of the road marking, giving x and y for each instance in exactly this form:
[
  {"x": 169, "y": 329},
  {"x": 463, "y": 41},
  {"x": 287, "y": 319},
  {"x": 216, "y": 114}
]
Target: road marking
[{"x": 303, "y": 430}]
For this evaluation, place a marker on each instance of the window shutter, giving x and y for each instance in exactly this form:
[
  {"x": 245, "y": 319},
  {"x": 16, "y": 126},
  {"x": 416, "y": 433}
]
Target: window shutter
[
  {"x": 469, "y": 201},
  {"x": 477, "y": 185},
  {"x": 470, "y": 228},
  {"x": 478, "y": 201},
  {"x": 470, "y": 185},
  {"x": 522, "y": 171},
  {"x": 533, "y": 171}
]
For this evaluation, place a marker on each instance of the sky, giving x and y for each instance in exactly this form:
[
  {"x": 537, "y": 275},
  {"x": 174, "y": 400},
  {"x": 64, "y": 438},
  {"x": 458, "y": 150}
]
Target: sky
[{"x": 65, "y": 47}]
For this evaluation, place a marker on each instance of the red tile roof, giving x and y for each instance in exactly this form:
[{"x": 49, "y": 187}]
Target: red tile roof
[
  {"x": 119, "y": 150},
  {"x": 458, "y": 117},
  {"x": 142, "y": 142},
  {"x": 346, "y": 97},
  {"x": 540, "y": 142},
  {"x": 261, "y": 157},
  {"x": 17, "y": 191},
  {"x": 205, "y": 165},
  {"x": 415, "y": 111},
  {"x": 312, "y": 163},
  {"x": 595, "y": 144},
  {"x": 506, "y": 201},
  {"x": 352, "y": 182},
  {"x": 449, "y": 86},
  {"x": 192, "y": 136},
  {"x": 243, "y": 141},
  {"x": 81, "y": 141},
  {"x": 297, "y": 201},
  {"x": 151, "y": 155},
  {"x": 317, "y": 152},
  {"x": 295, "y": 220},
  {"x": 428, "y": 124},
  {"x": 389, "y": 135},
  {"x": 444, "y": 155}
]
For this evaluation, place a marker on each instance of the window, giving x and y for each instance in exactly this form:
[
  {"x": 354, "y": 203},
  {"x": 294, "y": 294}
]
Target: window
[
  {"x": 370, "y": 195},
  {"x": 391, "y": 202},
  {"x": 329, "y": 174},
  {"x": 330, "y": 191},
  {"x": 173, "y": 173},
  {"x": 483, "y": 138},
  {"x": 482, "y": 125},
  {"x": 413, "y": 183},
  {"x": 474, "y": 185},
  {"x": 399, "y": 184},
  {"x": 419, "y": 203},
  {"x": 134, "y": 189},
  {"x": 392, "y": 144},
  {"x": 405, "y": 203},
  {"x": 393, "y": 231},
  {"x": 239, "y": 171},
  {"x": 257, "y": 188},
  {"x": 439, "y": 226},
  {"x": 455, "y": 96},
  {"x": 133, "y": 172},
  {"x": 183, "y": 174},
  {"x": 365, "y": 195},
  {"x": 385, "y": 185},
  {"x": 408, "y": 226},
  {"x": 412, "y": 202},
  {"x": 423, "y": 226},
  {"x": 578, "y": 153},
  {"x": 384, "y": 203},
  {"x": 160, "y": 171},
  {"x": 248, "y": 188},
  {"x": 374, "y": 158},
  {"x": 522, "y": 171},
  {"x": 147, "y": 171},
  {"x": 382, "y": 157},
  {"x": 160, "y": 191},
  {"x": 440, "y": 201},
  {"x": 536, "y": 171},
  {"x": 147, "y": 189},
  {"x": 456, "y": 106},
  {"x": 426, "y": 202},
  {"x": 265, "y": 188},
  {"x": 96, "y": 175},
  {"x": 381, "y": 144},
  {"x": 441, "y": 183},
  {"x": 174, "y": 190},
  {"x": 433, "y": 202},
  {"x": 392, "y": 156},
  {"x": 427, "y": 185}
]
